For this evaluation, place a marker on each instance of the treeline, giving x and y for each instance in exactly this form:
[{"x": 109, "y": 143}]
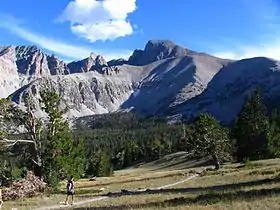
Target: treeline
[
  {"x": 253, "y": 135},
  {"x": 100, "y": 144},
  {"x": 126, "y": 139},
  {"x": 116, "y": 141}
]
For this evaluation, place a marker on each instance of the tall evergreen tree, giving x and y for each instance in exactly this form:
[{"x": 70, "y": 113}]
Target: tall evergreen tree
[
  {"x": 63, "y": 156},
  {"x": 210, "y": 139},
  {"x": 251, "y": 128},
  {"x": 274, "y": 135}
]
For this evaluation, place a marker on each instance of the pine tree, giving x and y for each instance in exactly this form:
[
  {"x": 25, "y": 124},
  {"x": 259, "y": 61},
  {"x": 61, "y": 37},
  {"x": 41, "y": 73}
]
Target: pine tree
[
  {"x": 210, "y": 139},
  {"x": 63, "y": 155},
  {"x": 274, "y": 135},
  {"x": 104, "y": 165},
  {"x": 251, "y": 128}
]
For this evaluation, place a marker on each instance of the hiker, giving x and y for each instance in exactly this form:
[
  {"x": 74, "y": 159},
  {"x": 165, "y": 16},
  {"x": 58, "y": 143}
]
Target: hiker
[{"x": 70, "y": 190}]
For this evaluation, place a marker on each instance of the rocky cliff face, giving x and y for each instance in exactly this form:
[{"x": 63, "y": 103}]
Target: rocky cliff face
[
  {"x": 81, "y": 94},
  {"x": 19, "y": 65},
  {"x": 164, "y": 78},
  {"x": 31, "y": 61},
  {"x": 9, "y": 77},
  {"x": 157, "y": 50},
  {"x": 92, "y": 63}
]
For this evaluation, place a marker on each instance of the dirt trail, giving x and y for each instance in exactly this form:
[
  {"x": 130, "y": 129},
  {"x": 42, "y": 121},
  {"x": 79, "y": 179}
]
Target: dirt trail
[{"x": 80, "y": 203}]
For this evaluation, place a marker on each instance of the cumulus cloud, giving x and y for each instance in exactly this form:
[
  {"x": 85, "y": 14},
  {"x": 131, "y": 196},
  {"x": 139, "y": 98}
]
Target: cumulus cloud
[
  {"x": 57, "y": 46},
  {"x": 99, "y": 20}
]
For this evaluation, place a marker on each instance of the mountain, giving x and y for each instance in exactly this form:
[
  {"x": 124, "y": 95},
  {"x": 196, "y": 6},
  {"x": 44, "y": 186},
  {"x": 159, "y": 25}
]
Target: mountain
[
  {"x": 173, "y": 81},
  {"x": 82, "y": 93},
  {"x": 227, "y": 91},
  {"x": 95, "y": 86},
  {"x": 157, "y": 50},
  {"x": 162, "y": 79},
  {"x": 31, "y": 61},
  {"x": 92, "y": 63}
]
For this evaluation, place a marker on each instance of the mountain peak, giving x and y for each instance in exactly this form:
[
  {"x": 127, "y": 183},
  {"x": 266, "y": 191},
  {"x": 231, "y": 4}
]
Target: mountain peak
[
  {"x": 25, "y": 49},
  {"x": 5, "y": 49},
  {"x": 160, "y": 42},
  {"x": 93, "y": 62},
  {"x": 92, "y": 56},
  {"x": 157, "y": 50}
]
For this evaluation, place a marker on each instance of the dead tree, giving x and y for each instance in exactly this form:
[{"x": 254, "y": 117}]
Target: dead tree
[{"x": 19, "y": 117}]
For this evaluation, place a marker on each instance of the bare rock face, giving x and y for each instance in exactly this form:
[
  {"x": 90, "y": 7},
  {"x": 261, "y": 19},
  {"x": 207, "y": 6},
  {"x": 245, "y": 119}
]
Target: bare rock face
[
  {"x": 31, "y": 61},
  {"x": 20, "y": 65},
  {"x": 9, "y": 78},
  {"x": 172, "y": 82},
  {"x": 227, "y": 91},
  {"x": 56, "y": 66},
  {"x": 81, "y": 94},
  {"x": 84, "y": 65},
  {"x": 117, "y": 62},
  {"x": 163, "y": 76},
  {"x": 157, "y": 50},
  {"x": 92, "y": 63},
  {"x": 164, "y": 79}
]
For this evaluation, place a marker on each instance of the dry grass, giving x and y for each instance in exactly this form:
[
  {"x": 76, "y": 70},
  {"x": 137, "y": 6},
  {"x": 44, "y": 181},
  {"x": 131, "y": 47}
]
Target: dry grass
[
  {"x": 128, "y": 176},
  {"x": 236, "y": 186}
]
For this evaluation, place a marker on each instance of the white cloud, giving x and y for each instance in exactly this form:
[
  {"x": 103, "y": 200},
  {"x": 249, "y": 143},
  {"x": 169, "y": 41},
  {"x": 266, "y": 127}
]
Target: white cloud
[
  {"x": 227, "y": 55},
  {"x": 57, "y": 46},
  {"x": 271, "y": 50},
  {"x": 99, "y": 20}
]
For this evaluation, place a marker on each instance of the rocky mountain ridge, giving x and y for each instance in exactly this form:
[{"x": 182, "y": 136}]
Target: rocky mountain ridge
[{"x": 162, "y": 79}]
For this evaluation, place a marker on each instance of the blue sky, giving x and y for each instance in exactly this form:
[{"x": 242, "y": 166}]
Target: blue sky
[{"x": 72, "y": 29}]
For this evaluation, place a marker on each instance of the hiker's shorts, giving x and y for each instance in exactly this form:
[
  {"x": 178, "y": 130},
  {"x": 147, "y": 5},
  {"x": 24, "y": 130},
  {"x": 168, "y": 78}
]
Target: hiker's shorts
[{"x": 70, "y": 193}]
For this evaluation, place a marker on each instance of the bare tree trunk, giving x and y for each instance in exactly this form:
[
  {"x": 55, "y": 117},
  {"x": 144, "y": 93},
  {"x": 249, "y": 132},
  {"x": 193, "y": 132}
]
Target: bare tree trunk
[
  {"x": 28, "y": 119},
  {"x": 37, "y": 161}
]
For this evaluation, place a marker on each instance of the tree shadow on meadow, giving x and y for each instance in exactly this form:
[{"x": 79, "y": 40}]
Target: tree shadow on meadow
[
  {"x": 210, "y": 195},
  {"x": 183, "y": 164},
  {"x": 205, "y": 199}
]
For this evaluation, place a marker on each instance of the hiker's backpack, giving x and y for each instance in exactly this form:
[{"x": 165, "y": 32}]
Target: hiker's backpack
[{"x": 70, "y": 186}]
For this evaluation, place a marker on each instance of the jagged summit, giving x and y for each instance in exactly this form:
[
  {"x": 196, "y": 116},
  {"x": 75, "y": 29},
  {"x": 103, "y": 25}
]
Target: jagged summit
[
  {"x": 157, "y": 50},
  {"x": 20, "y": 48},
  {"x": 24, "y": 49},
  {"x": 165, "y": 45},
  {"x": 92, "y": 55},
  {"x": 91, "y": 63}
]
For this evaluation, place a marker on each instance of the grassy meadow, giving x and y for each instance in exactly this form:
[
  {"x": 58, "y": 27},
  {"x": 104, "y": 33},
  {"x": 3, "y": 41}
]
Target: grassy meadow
[{"x": 253, "y": 185}]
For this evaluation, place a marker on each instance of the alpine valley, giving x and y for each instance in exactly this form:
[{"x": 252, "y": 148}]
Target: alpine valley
[{"x": 163, "y": 79}]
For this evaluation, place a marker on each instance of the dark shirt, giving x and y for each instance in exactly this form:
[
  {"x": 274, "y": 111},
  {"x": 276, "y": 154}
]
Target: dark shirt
[{"x": 70, "y": 186}]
